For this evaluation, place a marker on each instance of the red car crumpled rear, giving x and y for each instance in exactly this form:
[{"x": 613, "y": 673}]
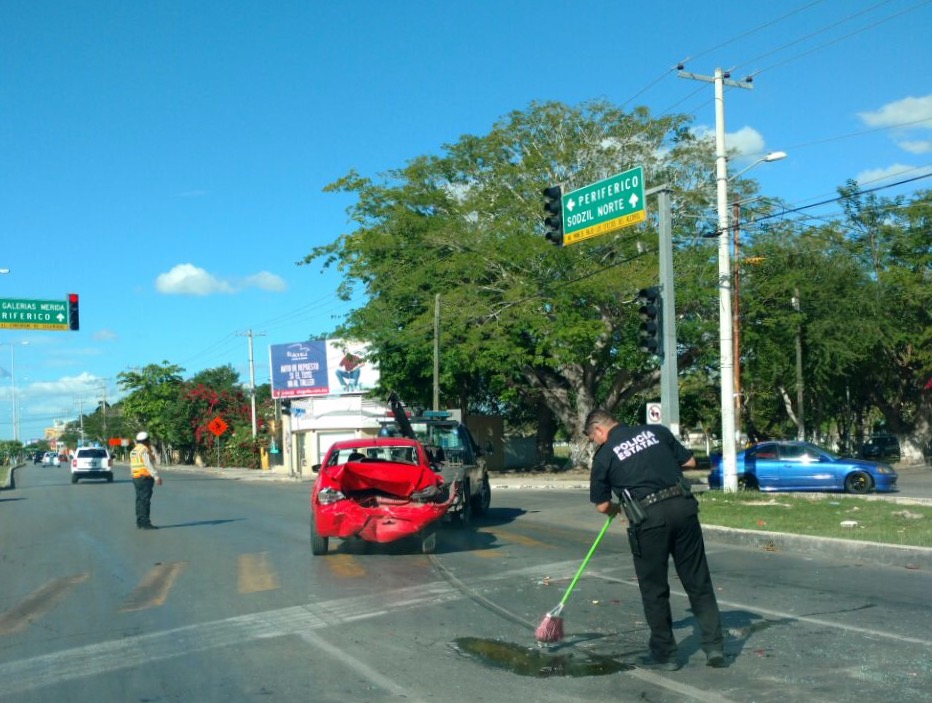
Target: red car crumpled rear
[{"x": 378, "y": 489}]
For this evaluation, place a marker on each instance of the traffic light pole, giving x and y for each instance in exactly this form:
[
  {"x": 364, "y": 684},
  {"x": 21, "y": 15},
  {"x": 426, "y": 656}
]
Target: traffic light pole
[{"x": 669, "y": 381}]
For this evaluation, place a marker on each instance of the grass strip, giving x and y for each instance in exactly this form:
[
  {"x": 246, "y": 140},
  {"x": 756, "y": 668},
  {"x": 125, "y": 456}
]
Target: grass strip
[{"x": 824, "y": 515}]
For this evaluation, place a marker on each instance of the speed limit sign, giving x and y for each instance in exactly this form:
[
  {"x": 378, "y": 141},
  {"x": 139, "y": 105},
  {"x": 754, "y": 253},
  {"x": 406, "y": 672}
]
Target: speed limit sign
[{"x": 654, "y": 413}]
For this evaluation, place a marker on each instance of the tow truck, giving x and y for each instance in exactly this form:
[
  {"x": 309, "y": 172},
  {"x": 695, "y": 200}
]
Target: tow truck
[{"x": 453, "y": 453}]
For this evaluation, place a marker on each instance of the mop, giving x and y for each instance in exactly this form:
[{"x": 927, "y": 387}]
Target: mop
[{"x": 551, "y": 627}]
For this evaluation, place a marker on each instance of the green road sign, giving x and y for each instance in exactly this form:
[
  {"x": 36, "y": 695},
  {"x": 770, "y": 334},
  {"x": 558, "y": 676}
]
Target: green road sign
[
  {"x": 603, "y": 207},
  {"x": 33, "y": 314}
]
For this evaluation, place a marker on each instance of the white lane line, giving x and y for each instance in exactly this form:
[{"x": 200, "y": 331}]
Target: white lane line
[
  {"x": 360, "y": 667},
  {"x": 808, "y": 619}
]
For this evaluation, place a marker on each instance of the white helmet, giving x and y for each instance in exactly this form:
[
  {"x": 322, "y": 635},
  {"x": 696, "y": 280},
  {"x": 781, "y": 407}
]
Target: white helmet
[{"x": 142, "y": 436}]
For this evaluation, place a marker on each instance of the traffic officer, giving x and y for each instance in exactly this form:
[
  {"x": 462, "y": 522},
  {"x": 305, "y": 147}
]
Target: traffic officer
[
  {"x": 142, "y": 463},
  {"x": 643, "y": 465}
]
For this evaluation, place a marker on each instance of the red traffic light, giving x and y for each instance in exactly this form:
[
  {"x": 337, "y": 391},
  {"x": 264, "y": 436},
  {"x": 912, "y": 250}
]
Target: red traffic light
[{"x": 73, "y": 319}]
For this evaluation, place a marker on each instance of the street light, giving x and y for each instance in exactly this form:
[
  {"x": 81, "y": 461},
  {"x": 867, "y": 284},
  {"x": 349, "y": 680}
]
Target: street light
[
  {"x": 772, "y": 156},
  {"x": 12, "y": 346}
]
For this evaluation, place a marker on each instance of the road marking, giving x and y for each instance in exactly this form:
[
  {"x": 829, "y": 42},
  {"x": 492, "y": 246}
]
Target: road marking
[
  {"x": 154, "y": 588},
  {"x": 38, "y": 603},
  {"x": 782, "y": 615},
  {"x": 255, "y": 573},
  {"x": 343, "y": 658},
  {"x": 345, "y": 566},
  {"x": 508, "y": 536}
]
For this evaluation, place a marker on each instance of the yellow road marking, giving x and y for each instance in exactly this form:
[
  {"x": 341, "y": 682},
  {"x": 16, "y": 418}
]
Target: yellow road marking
[
  {"x": 344, "y": 566},
  {"x": 155, "y": 587},
  {"x": 255, "y": 573},
  {"x": 38, "y": 603},
  {"x": 516, "y": 538}
]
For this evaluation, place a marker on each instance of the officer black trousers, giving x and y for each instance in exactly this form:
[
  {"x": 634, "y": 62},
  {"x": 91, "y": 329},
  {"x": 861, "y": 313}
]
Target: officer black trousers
[
  {"x": 143, "y": 499},
  {"x": 672, "y": 529}
]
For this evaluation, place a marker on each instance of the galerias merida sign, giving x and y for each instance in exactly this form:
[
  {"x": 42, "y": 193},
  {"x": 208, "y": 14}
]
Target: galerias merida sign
[{"x": 33, "y": 314}]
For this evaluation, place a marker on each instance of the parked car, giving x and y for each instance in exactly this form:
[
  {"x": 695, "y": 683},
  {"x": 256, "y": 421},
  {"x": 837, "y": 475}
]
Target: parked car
[
  {"x": 801, "y": 466},
  {"x": 880, "y": 447},
  {"x": 91, "y": 462},
  {"x": 380, "y": 489}
]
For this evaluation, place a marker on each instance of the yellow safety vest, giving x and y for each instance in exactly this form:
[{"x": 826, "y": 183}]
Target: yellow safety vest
[{"x": 137, "y": 461}]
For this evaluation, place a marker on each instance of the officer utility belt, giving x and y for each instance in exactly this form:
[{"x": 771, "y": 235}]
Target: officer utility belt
[
  {"x": 662, "y": 494},
  {"x": 636, "y": 510}
]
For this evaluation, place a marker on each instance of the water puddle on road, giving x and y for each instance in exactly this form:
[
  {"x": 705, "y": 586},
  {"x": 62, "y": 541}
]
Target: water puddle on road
[{"x": 538, "y": 662}]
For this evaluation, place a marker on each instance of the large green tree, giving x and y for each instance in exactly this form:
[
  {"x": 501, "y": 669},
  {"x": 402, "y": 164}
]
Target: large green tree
[
  {"x": 153, "y": 394},
  {"x": 520, "y": 320}
]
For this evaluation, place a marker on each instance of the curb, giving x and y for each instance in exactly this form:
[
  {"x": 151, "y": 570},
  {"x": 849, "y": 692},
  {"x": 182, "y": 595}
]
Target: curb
[{"x": 857, "y": 552}]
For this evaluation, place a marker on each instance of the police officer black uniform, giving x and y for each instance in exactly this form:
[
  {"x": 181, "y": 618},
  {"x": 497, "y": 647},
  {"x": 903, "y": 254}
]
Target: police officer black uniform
[{"x": 643, "y": 465}]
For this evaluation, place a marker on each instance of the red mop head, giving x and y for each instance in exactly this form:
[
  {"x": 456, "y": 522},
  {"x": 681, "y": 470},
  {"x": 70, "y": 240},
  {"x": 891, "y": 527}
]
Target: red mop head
[{"x": 550, "y": 629}]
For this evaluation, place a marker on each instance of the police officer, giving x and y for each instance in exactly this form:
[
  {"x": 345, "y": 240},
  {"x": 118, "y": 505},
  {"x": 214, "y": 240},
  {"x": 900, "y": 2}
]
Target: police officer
[
  {"x": 142, "y": 463},
  {"x": 643, "y": 465}
]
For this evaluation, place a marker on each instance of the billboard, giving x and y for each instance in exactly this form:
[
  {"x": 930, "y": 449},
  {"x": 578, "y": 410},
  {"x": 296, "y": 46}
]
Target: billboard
[{"x": 321, "y": 367}]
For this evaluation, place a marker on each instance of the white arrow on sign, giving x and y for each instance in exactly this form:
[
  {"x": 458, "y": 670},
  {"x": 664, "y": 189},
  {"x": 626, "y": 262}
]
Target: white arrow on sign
[
  {"x": 633, "y": 200},
  {"x": 570, "y": 204},
  {"x": 61, "y": 318}
]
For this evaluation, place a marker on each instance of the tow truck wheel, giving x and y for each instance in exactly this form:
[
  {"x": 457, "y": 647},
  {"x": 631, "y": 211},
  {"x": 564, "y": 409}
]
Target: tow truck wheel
[
  {"x": 465, "y": 512},
  {"x": 319, "y": 544},
  {"x": 483, "y": 499},
  {"x": 429, "y": 543}
]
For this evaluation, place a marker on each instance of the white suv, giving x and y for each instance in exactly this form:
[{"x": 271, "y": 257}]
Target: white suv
[{"x": 91, "y": 462}]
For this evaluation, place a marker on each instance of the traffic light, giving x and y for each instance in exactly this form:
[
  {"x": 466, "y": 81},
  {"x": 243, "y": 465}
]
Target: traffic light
[
  {"x": 286, "y": 407},
  {"x": 649, "y": 336},
  {"x": 73, "y": 321},
  {"x": 553, "y": 206}
]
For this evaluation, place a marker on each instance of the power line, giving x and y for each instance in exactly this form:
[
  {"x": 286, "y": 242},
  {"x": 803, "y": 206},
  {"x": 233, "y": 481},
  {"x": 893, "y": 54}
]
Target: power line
[{"x": 843, "y": 37}]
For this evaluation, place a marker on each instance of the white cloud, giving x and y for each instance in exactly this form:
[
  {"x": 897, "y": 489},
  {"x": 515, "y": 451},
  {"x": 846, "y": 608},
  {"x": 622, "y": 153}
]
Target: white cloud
[
  {"x": 906, "y": 116},
  {"x": 901, "y": 112},
  {"x": 85, "y": 385},
  {"x": 188, "y": 279},
  {"x": 105, "y": 336},
  {"x": 745, "y": 144},
  {"x": 895, "y": 171},
  {"x": 916, "y": 147},
  {"x": 265, "y": 281}
]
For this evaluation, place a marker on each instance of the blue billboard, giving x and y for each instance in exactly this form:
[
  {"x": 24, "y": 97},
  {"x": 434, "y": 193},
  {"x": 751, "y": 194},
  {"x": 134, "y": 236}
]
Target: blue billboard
[{"x": 320, "y": 367}]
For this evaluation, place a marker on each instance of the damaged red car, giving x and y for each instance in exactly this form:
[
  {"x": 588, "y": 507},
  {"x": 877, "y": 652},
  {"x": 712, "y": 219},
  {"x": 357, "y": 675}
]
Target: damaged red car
[{"x": 380, "y": 489}]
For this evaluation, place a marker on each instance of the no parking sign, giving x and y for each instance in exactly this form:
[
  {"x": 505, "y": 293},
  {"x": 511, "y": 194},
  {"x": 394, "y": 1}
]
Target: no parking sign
[{"x": 654, "y": 413}]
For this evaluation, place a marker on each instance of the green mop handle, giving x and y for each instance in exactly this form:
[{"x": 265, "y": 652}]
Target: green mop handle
[{"x": 586, "y": 560}]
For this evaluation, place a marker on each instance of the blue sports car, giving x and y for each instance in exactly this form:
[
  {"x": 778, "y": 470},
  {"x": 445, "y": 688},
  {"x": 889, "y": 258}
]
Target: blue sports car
[{"x": 801, "y": 466}]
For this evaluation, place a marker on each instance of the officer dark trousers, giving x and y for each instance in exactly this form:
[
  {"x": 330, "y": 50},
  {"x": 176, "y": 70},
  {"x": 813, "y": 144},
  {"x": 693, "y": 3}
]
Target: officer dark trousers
[
  {"x": 143, "y": 499},
  {"x": 672, "y": 528}
]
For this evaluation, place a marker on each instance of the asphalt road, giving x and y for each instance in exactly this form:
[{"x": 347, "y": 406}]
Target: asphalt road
[{"x": 225, "y": 603}]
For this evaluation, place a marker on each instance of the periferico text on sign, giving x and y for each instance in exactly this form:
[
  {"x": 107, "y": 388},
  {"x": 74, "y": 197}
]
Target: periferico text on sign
[{"x": 605, "y": 206}]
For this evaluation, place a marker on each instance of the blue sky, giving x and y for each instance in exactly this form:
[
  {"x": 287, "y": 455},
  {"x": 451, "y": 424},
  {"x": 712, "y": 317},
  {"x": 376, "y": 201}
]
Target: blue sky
[{"x": 166, "y": 160}]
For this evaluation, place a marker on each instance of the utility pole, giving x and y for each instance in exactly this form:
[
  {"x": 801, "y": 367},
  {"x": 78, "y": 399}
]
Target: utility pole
[
  {"x": 800, "y": 412},
  {"x": 736, "y": 316},
  {"x": 726, "y": 371},
  {"x": 103, "y": 408},
  {"x": 437, "y": 352},
  {"x": 252, "y": 377}
]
